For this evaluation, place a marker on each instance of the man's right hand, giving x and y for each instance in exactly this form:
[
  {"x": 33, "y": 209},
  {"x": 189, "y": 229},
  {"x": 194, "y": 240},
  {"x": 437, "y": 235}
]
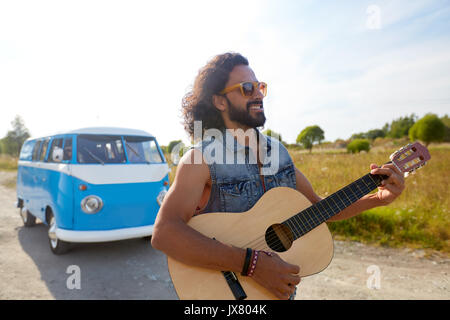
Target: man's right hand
[{"x": 276, "y": 275}]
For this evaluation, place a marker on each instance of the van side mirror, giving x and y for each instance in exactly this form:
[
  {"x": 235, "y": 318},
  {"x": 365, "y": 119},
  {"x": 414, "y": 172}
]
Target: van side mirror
[{"x": 57, "y": 154}]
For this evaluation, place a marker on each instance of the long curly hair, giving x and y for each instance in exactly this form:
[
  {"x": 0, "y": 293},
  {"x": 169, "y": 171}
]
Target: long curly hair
[{"x": 197, "y": 104}]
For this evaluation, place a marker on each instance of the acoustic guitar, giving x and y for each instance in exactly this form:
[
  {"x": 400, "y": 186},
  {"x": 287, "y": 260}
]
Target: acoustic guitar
[{"x": 282, "y": 221}]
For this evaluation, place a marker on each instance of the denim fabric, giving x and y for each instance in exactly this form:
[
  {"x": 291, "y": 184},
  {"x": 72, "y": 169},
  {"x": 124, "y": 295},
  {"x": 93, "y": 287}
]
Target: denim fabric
[{"x": 235, "y": 174}]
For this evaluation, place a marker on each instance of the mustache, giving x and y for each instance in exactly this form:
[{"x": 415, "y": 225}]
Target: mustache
[{"x": 255, "y": 102}]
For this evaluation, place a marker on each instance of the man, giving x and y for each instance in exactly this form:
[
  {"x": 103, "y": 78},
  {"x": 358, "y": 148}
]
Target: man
[{"x": 228, "y": 97}]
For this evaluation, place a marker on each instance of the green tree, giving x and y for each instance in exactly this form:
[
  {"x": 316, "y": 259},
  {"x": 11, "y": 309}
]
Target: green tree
[
  {"x": 361, "y": 135},
  {"x": 371, "y": 134},
  {"x": 375, "y": 133},
  {"x": 14, "y": 139},
  {"x": 446, "y": 120},
  {"x": 428, "y": 129},
  {"x": 309, "y": 135},
  {"x": 400, "y": 127}
]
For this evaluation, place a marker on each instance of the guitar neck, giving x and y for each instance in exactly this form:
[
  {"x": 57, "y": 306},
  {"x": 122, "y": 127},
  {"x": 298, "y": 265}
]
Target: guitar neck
[{"x": 308, "y": 219}]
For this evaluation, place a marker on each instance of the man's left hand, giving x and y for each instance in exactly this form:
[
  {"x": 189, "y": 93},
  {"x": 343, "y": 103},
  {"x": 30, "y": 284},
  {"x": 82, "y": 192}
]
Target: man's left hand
[{"x": 391, "y": 187}]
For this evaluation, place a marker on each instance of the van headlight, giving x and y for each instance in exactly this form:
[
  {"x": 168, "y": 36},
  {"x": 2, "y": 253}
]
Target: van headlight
[
  {"x": 161, "y": 196},
  {"x": 91, "y": 204}
]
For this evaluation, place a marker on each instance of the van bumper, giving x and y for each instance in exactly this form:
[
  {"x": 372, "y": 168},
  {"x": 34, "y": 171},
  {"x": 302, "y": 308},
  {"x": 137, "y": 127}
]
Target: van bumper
[{"x": 104, "y": 235}]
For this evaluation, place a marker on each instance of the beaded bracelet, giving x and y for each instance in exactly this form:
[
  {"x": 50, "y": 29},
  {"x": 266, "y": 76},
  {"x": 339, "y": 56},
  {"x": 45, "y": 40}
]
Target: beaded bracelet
[
  {"x": 255, "y": 260},
  {"x": 253, "y": 265}
]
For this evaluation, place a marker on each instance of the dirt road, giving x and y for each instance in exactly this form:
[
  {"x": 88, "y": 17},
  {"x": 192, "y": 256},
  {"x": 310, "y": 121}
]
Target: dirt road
[{"x": 132, "y": 269}]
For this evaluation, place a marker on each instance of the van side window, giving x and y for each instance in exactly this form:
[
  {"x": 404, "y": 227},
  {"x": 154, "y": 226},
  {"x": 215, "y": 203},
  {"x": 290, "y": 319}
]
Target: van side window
[
  {"x": 67, "y": 149},
  {"x": 27, "y": 150},
  {"x": 36, "y": 148},
  {"x": 56, "y": 143},
  {"x": 43, "y": 150}
]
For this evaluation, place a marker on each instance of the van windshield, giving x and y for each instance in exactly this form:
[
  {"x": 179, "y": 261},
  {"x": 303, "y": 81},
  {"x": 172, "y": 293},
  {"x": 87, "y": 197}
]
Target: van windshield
[
  {"x": 142, "y": 150},
  {"x": 100, "y": 149}
]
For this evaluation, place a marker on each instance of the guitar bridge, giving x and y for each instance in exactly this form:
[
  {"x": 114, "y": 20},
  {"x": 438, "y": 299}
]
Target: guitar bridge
[{"x": 235, "y": 285}]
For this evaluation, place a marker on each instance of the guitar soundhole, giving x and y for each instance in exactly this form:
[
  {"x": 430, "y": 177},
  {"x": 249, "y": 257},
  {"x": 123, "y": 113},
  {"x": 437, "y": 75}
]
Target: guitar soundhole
[{"x": 279, "y": 237}]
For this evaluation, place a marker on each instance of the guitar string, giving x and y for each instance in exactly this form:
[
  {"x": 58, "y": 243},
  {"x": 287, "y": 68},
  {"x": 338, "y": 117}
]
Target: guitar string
[
  {"x": 274, "y": 239},
  {"x": 312, "y": 223},
  {"x": 352, "y": 198},
  {"x": 273, "y": 242},
  {"x": 263, "y": 245}
]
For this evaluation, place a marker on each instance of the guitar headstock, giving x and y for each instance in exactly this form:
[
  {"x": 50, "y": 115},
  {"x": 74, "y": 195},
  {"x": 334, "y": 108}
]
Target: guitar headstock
[{"x": 410, "y": 158}]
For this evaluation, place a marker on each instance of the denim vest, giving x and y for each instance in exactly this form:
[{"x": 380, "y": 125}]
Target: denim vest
[{"x": 236, "y": 175}]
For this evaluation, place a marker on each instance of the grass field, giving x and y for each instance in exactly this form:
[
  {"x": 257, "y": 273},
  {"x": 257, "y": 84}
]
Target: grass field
[
  {"x": 419, "y": 218},
  {"x": 8, "y": 163}
]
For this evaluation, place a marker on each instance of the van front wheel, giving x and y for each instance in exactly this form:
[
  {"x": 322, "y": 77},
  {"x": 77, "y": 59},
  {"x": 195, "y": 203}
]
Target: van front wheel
[{"x": 56, "y": 245}]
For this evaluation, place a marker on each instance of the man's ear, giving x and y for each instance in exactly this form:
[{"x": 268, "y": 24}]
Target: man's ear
[{"x": 219, "y": 102}]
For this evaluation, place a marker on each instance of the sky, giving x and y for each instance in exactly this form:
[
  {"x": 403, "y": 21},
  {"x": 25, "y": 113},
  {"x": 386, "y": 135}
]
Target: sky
[{"x": 347, "y": 66}]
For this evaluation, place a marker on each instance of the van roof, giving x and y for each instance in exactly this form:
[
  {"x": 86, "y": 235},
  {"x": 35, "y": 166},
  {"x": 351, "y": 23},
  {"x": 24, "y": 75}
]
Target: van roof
[
  {"x": 101, "y": 130},
  {"x": 110, "y": 130}
]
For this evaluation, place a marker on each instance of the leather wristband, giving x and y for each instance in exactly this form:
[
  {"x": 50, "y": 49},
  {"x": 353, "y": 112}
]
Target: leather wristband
[{"x": 248, "y": 256}]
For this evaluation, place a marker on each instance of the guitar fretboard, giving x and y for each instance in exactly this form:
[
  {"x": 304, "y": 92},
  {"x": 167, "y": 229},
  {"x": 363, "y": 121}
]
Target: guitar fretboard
[{"x": 308, "y": 219}]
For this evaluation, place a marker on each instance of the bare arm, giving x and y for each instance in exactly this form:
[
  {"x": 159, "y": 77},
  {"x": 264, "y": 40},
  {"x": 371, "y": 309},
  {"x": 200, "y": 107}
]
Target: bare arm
[
  {"x": 388, "y": 192},
  {"x": 171, "y": 233},
  {"x": 305, "y": 187}
]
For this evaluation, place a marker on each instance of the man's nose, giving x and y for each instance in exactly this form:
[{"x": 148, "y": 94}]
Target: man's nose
[{"x": 257, "y": 94}]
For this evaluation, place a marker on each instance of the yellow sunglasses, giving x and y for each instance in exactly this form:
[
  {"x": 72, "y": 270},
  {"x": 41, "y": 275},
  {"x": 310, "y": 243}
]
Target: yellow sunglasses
[{"x": 248, "y": 88}]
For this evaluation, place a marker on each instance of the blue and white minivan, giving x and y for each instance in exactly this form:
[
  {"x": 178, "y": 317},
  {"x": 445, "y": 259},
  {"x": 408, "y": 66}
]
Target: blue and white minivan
[{"x": 92, "y": 185}]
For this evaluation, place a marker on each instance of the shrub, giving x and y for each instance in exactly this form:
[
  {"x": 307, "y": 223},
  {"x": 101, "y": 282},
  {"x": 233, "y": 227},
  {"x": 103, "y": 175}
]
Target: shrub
[{"x": 358, "y": 145}]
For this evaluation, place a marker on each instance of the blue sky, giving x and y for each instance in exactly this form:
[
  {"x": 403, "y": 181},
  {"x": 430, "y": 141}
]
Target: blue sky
[{"x": 347, "y": 66}]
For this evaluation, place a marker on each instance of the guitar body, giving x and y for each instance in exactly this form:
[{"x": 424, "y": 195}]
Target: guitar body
[{"x": 312, "y": 252}]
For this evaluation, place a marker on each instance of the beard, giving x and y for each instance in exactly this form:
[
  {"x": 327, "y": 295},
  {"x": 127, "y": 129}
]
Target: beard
[{"x": 244, "y": 117}]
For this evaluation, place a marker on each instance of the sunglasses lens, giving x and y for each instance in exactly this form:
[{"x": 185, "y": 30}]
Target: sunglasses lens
[
  {"x": 247, "y": 88},
  {"x": 262, "y": 88}
]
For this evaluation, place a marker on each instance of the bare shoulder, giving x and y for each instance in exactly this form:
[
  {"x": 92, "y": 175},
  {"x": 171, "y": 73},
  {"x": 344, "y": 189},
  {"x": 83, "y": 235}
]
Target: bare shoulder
[
  {"x": 186, "y": 190},
  {"x": 192, "y": 168}
]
